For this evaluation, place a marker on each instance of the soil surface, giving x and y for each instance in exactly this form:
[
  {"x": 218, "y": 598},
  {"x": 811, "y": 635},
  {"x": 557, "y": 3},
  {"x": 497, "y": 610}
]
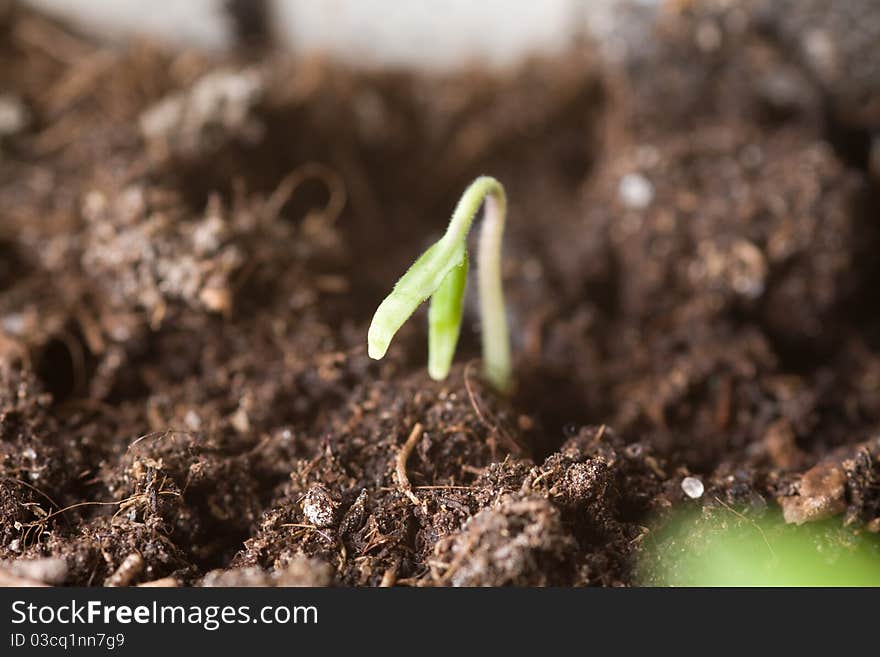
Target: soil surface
[{"x": 192, "y": 246}]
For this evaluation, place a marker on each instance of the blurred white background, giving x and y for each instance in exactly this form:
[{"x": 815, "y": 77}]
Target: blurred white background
[{"x": 422, "y": 33}]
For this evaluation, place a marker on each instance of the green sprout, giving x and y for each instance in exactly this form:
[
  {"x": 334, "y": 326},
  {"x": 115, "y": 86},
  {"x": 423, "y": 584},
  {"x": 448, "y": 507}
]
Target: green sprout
[{"x": 441, "y": 274}]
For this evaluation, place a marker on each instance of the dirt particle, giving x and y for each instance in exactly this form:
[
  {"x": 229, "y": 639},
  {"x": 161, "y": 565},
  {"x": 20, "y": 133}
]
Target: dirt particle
[
  {"x": 218, "y": 107},
  {"x": 320, "y": 507},
  {"x": 821, "y": 494},
  {"x": 780, "y": 444},
  {"x": 518, "y": 541},
  {"x": 49, "y": 570},
  {"x": 13, "y": 115},
  {"x": 299, "y": 571},
  {"x": 129, "y": 570}
]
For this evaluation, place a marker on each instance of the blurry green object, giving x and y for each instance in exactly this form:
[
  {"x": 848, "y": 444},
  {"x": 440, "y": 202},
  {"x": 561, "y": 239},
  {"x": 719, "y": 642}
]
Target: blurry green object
[{"x": 726, "y": 548}]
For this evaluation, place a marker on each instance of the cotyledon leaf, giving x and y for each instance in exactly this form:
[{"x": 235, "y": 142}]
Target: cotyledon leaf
[
  {"x": 444, "y": 320},
  {"x": 421, "y": 280}
]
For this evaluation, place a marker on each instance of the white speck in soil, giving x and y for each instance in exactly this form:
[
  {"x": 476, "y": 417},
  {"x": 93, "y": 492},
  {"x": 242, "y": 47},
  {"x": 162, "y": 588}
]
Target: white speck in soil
[
  {"x": 635, "y": 191},
  {"x": 14, "y": 323},
  {"x": 192, "y": 420},
  {"x": 13, "y": 115},
  {"x": 692, "y": 487}
]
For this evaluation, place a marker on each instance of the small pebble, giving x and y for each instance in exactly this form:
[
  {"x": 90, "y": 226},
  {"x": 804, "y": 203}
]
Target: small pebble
[
  {"x": 319, "y": 507},
  {"x": 14, "y": 323},
  {"x": 13, "y": 115},
  {"x": 192, "y": 420},
  {"x": 635, "y": 191},
  {"x": 692, "y": 487}
]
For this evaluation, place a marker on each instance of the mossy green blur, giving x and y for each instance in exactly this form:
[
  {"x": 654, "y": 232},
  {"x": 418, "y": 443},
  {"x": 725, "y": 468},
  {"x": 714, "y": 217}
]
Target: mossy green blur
[{"x": 725, "y": 549}]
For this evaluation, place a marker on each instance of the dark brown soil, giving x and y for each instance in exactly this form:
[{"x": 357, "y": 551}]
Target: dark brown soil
[{"x": 191, "y": 248}]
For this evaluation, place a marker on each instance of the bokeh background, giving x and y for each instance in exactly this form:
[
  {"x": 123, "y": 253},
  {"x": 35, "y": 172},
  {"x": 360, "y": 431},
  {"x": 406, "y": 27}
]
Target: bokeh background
[{"x": 420, "y": 33}]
